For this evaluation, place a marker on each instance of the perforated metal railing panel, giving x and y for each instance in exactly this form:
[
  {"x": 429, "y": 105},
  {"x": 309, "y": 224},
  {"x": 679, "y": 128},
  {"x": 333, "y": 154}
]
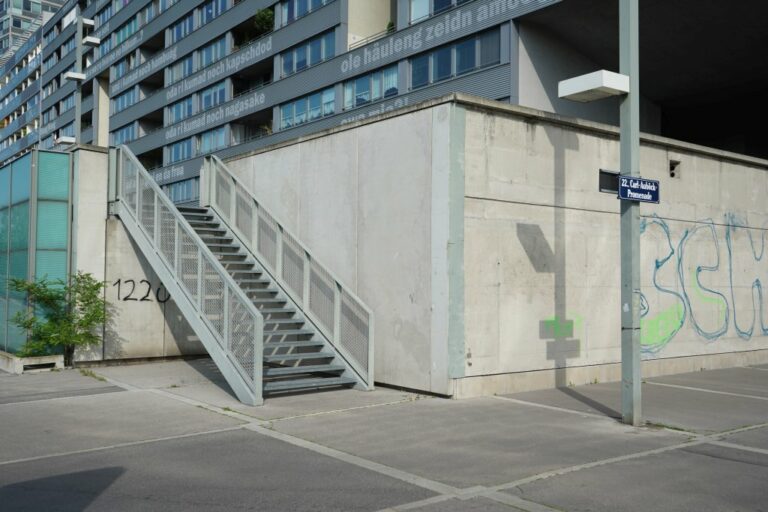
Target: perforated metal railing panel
[
  {"x": 223, "y": 317},
  {"x": 342, "y": 318}
]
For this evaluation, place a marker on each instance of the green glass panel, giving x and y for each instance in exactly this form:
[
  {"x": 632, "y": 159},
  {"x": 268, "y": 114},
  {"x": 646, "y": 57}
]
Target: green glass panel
[
  {"x": 18, "y": 264},
  {"x": 52, "y": 225},
  {"x": 19, "y": 226},
  {"x": 16, "y": 337},
  {"x": 5, "y": 186},
  {"x": 4, "y": 229},
  {"x": 51, "y": 265},
  {"x": 3, "y": 326},
  {"x": 52, "y": 176},
  {"x": 3, "y": 273},
  {"x": 20, "y": 182}
]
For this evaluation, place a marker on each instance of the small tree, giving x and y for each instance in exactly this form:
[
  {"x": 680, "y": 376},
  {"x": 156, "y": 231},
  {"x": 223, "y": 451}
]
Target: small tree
[{"x": 61, "y": 315}]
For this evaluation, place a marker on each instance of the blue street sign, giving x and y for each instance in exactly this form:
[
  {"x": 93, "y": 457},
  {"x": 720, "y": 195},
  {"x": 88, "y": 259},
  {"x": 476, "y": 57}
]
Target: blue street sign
[{"x": 632, "y": 188}]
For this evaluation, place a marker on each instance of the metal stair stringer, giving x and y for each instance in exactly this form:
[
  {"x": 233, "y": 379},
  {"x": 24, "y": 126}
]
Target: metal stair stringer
[{"x": 221, "y": 315}]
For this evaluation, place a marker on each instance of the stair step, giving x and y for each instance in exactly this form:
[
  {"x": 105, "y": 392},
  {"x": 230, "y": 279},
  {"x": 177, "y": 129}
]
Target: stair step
[
  {"x": 209, "y": 230},
  {"x": 191, "y": 209},
  {"x": 228, "y": 256},
  {"x": 277, "y": 311},
  {"x": 288, "y": 332},
  {"x": 289, "y": 385},
  {"x": 284, "y": 321},
  {"x": 294, "y": 370},
  {"x": 268, "y": 301},
  {"x": 298, "y": 357},
  {"x": 260, "y": 290},
  {"x": 241, "y": 282},
  {"x": 294, "y": 344},
  {"x": 197, "y": 216}
]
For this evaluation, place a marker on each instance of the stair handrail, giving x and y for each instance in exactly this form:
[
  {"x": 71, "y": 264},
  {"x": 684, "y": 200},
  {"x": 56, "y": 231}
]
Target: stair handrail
[
  {"x": 332, "y": 307},
  {"x": 191, "y": 272}
]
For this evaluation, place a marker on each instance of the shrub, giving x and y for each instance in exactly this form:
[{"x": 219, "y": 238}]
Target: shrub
[{"x": 61, "y": 316}]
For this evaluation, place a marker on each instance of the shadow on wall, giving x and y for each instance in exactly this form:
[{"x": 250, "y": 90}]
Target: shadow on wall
[
  {"x": 71, "y": 492},
  {"x": 557, "y": 331}
]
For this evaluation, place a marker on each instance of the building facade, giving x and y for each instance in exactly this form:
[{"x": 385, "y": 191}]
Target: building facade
[
  {"x": 20, "y": 18},
  {"x": 178, "y": 80}
]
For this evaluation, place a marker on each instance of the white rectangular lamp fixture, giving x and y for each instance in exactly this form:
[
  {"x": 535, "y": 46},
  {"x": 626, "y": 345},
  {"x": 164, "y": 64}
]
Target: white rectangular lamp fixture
[{"x": 594, "y": 86}]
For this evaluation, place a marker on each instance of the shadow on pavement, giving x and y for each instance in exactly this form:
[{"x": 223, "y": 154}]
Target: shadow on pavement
[
  {"x": 594, "y": 404},
  {"x": 72, "y": 492}
]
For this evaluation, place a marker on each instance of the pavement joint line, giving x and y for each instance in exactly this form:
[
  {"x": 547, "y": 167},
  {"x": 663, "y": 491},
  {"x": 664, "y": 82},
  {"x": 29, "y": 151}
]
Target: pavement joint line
[
  {"x": 735, "y": 446},
  {"x": 53, "y": 399},
  {"x": 738, "y": 430},
  {"x": 120, "y": 445},
  {"x": 124, "y": 385},
  {"x": 518, "y": 502},
  {"x": 594, "y": 464},
  {"x": 440, "y": 498},
  {"x": 555, "y": 408},
  {"x": 208, "y": 407},
  {"x": 690, "y": 388},
  {"x": 755, "y": 368},
  {"x": 348, "y": 409}
]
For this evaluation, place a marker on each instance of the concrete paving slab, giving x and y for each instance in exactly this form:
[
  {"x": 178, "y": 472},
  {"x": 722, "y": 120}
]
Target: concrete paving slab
[
  {"x": 229, "y": 471},
  {"x": 695, "y": 411},
  {"x": 164, "y": 375},
  {"x": 41, "y": 428},
  {"x": 703, "y": 477},
  {"x": 473, "y": 442},
  {"x": 46, "y": 385},
  {"x": 294, "y": 405},
  {"x": 759, "y": 366},
  {"x": 757, "y": 438},
  {"x": 744, "y": 381}
]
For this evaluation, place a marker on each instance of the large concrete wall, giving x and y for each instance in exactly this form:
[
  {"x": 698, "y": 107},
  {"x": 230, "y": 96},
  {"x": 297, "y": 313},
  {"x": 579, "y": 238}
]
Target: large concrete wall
[
  {"x": 370, "y": 202},
  {"x": 542, "y": 253},
  {"x": 145, "y": 321}
]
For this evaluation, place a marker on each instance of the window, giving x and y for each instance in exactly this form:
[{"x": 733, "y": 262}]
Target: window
[
  {"x": 105, "y": 47},
  {"x": 103, "y": 16},
  {"x": 422, "y": 9},
  {"x": 182, "y": 28},
  {"x": 181, "y": 69},
  {"x": 213, "y": 140},
  {"x": 308, "y": 108},
  {"x": 213, "y": 96},
  {"x": 420, "y": 71},
  {"x": 309, "y": 53},
  {"x": 213, "y": 52},
  {"x": 180, "y": 110},
  {"x": 181, "y": 150},
  {"x": 124, "y": 100},
  {"x": 371, "y": 87},
  {"x": 183, "y": 191},
  {"x": 68, "y": 46},
  {"x": 456, "y": 59},
  {"x": 419, "y": 9},
  {"x": 211, "y": 10},
  {"x": 126, "y": 30},
  {"x": 124, "y": 134},
  {"x": 67, "y": 131},
  {"x": 291, "y": 10},
  {"x": 67, "y": 103}
]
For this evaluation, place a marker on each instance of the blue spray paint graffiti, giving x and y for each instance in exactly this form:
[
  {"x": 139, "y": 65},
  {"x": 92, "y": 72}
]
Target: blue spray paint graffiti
[{"x": 688, "y": 295}]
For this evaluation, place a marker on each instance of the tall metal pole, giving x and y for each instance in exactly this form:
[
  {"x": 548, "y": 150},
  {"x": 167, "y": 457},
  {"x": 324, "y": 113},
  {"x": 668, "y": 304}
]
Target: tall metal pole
[{"x": 630, "y": 216}]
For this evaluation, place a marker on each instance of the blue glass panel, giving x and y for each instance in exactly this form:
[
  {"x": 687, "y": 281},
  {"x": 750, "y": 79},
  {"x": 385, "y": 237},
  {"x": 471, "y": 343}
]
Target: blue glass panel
[
  {"x": 16, "y": 337},
  {"x": 4, "y": 231}
]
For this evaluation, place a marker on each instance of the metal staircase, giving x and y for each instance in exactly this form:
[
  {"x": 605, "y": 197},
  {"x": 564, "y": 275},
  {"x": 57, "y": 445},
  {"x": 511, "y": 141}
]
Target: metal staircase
[
  {"x": 271, "y": 317},
  {"x": 295, "y": 356}
]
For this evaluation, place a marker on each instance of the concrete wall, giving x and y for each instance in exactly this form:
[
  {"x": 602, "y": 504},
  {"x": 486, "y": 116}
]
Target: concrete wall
[
  {"x": 542, "y": 253},
  {"x": 145, "y": 321},
  {"x": 370, "y": 204}
]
